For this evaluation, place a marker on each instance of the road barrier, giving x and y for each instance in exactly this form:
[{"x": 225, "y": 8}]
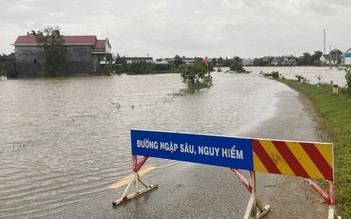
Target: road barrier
[{"x": 304, "y": 159}]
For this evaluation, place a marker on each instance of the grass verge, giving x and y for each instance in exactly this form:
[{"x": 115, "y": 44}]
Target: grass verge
[{"x": 334, "y": 112}]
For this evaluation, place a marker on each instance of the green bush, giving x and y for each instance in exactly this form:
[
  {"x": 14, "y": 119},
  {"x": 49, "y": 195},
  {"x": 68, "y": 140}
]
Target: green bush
[
  {"x": 237, "y": 67},
  {"x": 275, "y": 74},
  {"x": 141, "y": 67},
  {"x": 193, "y": 75},
  {"x": 348, "y": 81},
  {"x": 300, "y": 78}
]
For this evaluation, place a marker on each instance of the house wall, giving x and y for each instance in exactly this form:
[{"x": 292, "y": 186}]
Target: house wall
[
  {"x": 30, "y": 61},
  {"x": 78, "y": 60},
  {"x": 29, "y": 53}
]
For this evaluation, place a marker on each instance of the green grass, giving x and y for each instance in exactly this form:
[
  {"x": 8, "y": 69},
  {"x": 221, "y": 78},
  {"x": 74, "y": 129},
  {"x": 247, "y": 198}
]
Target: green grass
[{"x": 334, "y": 112}]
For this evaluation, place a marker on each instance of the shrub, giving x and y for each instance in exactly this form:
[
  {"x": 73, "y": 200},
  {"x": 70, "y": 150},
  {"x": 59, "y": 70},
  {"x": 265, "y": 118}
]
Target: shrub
[
  {"x": 193, "y": 75},
  {"x": 141, "y": 67},
  {"x": 300, "y": 78},
  {"x": 237, "y": 67},
  {"x": 275, "y": 74},
  {"x": 348, "y": 81}
]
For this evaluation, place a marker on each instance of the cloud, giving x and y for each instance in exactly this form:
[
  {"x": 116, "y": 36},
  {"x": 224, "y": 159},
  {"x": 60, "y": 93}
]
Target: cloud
[{"x": 187, "y": 27}]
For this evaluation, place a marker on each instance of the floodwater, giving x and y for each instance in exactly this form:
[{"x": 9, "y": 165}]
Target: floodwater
[
  {"x": 313, "y": 75},
  {"x": 65, "y": 140}
]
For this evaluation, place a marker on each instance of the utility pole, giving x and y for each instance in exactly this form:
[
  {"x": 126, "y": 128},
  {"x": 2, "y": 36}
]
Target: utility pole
[
  {"x": 324, "y": 42},
  {"x": 330, "y": 56}
]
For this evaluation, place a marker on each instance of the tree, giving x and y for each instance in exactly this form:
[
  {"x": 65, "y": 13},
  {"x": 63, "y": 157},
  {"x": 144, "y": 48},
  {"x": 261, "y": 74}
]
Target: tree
[
  {"x": 107, "y": 68},
  {"x": 193, "y": 73},
  {"x": 336, "y": 51},
  {"x": 261, "y": 62},
  {"x": 3, "y": 59},
  {"x": 54, "y": 48},
  {"x": 32, "y": 33},
  {"x": 7, "y": 65},
  {"x": 237, "y": 67},
  {"x": 237, "y": 59},
  {"x": 348, "y": 82},
  {"x": 305, "y": 59},
  {"x": 316, "y": 57},
  {"x": 121, "y": 64},
  {"x": 227, "y": 62},
  {"x": 220, "y": 61},
  {"x": 214, "y": 61},
  {"x": 141, "y": 67}
]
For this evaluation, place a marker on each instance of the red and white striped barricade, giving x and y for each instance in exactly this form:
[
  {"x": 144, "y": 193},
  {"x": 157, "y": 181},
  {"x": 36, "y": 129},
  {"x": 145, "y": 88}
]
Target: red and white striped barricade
[{"x": 304, "y": 159}]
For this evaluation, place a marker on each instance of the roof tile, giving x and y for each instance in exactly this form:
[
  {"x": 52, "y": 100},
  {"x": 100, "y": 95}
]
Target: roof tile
[{"x": 69, "y": 40}]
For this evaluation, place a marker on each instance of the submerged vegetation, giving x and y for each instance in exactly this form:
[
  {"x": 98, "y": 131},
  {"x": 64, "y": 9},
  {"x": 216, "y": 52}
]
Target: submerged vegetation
[
  {"x": 334, "y": 112},
  {"x": 273, "y": 74},
  {"x": 195, "y": 76},
  {"x": 301, "y": 79},
  {"x": 237, "y": 67}
]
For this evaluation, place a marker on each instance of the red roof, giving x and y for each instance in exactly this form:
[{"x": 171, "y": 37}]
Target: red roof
[
  {"x": 80, "y": 40},
  {"x": 69, "y": 40},
  {"x": 100, "y": 44},
  {"x": 26, "y": 40}
]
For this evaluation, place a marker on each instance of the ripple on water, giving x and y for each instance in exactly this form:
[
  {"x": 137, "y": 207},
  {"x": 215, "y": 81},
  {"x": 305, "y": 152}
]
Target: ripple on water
[{"x": 63, "y": 139}]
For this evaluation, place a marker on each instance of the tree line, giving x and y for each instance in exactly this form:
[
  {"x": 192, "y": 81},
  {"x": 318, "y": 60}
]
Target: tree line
[
  {"x": 54, "y": 51},
  {"x": 5, "y": 64}
]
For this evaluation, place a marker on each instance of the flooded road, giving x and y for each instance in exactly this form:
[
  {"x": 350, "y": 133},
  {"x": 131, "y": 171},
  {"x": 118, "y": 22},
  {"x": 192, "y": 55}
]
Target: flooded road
[{"x": 65, "y": 140}]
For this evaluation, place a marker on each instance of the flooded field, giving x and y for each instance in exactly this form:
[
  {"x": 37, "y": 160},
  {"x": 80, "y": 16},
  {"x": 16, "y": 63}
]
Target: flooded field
[
  {"x": 312, "y": 74},
  {"x": 65, "y": 140}
]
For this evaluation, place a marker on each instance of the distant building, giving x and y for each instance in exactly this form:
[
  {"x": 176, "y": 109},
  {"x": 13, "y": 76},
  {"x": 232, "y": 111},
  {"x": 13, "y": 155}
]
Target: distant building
[
  {"x": 267, "y": 60},
  {"x": 346, "y": 57},
  {"x": 281, "y": 60},
  {"x": 333, "y": 58},
  {"x": 169, "y": 60},
  {"x": 276, "y": 61},
  {"x": 188, "y": 61},
  {"x": 248, "y": 62},
  {"x": 288, "y": 60},
  {"x": 83, "y": 55},
  {"x": 130, "y": 60},
  {"x": 161, "y": 64}
]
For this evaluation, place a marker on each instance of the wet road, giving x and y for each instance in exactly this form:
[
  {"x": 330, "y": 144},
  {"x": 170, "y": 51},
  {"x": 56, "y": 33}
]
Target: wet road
[{"x": 189, "y": 190}]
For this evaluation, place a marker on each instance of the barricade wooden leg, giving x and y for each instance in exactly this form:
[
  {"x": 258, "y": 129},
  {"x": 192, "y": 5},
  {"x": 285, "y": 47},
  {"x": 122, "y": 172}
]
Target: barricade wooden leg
[
  {"x": 135, "y": 180},
  {"x": 254, "y": 208}
]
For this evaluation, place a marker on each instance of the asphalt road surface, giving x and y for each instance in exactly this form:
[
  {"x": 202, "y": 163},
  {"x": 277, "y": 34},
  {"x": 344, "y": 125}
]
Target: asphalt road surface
[{"x": 188, "y": 190}]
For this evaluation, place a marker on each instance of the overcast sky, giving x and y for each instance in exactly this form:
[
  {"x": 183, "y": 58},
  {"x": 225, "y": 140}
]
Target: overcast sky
[{"x": 165, "y": 28}]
